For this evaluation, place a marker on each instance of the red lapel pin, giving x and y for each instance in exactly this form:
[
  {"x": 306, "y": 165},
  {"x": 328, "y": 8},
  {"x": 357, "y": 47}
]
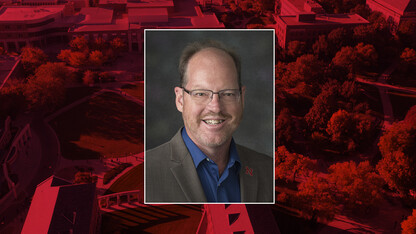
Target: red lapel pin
[{"x": 249, "y": 171}]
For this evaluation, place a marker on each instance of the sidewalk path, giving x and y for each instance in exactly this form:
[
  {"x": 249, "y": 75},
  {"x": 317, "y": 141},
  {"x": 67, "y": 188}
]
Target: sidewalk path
[
  {"x": 99, "y": 166},
  {"x": 384, "y": 96}
]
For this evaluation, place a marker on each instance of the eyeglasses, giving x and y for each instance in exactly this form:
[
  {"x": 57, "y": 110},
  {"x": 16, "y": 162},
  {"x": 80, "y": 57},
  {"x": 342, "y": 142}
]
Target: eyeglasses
[{"x": 204, "y": 96}]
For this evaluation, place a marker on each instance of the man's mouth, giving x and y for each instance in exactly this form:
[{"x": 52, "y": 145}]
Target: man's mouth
[{"x": 213, "y": 121}]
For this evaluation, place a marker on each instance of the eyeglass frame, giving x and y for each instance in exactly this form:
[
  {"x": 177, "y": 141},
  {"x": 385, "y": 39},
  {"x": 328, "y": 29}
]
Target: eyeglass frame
[{"x": 212, "y": 92}]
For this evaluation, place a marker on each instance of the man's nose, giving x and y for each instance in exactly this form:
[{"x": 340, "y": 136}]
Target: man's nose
[{"x": 215, "y": 102}]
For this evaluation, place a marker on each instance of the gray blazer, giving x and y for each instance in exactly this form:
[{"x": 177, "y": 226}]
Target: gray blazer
[{"x": 171, "y": 175}]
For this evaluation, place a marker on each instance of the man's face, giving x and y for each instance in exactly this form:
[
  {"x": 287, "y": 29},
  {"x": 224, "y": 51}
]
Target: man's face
[{"x": 210, "y": 125}]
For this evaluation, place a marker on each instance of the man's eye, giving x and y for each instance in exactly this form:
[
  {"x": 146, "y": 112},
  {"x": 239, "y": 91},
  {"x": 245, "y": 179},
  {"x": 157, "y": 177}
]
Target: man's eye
[
  {"x": 228, "y": 94},
  {"x": 200, "y": 94}
]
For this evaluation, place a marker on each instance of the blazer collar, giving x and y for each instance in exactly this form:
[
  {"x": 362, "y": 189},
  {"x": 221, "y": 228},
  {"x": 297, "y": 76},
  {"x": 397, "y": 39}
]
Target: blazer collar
[
  {"x": 248, "y": 177},
  {"x": 184, "y": 171}
]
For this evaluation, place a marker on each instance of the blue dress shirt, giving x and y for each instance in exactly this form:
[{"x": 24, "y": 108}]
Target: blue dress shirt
[{"x": 217, "y": 189}]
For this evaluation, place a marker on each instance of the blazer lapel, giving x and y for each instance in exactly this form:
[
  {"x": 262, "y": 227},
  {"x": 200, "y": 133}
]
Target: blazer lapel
[
  {"x": 184, "y": 171},
  {"x": 248, "y": 179}
]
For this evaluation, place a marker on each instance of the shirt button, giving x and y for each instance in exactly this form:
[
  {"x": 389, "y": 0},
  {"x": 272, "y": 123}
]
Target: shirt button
[{"x": 208, "y": 159}]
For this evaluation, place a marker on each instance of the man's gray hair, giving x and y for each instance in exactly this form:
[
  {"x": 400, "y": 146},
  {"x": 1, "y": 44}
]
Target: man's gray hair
[{"x": 193, "y": 48}]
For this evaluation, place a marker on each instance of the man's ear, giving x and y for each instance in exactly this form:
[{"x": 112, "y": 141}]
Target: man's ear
[
  {"x": 179, "y": 98},
  {"x": 243, "y": 92}
]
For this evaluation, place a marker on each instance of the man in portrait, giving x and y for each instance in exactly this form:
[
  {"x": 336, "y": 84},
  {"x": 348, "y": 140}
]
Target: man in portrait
[{"x": 202, "y": 162}]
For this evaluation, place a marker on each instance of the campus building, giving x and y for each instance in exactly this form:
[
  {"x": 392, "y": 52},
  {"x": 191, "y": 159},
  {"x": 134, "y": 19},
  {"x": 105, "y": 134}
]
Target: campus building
[
  {"x": 126, "y": 19},
  {"x": 308, "y": 26},
  {"x": 32, "y": 25},
  {"x": 294, "y": 7},
  {"x": 394, "y": 11},
  {"x": 59, "y": 206},
  {"x": 93, "y": 23}
]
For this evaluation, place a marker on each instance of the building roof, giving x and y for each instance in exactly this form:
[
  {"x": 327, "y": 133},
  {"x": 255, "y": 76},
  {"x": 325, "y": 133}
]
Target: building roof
[
  {"x": 103, "y": 2},
  {"x": 325, "y": 19},
  {"x": 300, "y": 4},
  {"x": 42, "y": 1},
  {"x": 116, "y": 25},
  {"x": 58, "y": 206},
  {"x": 207, "y": 21},
  {"x": 95, "y": 15},
  {"x": 25, "y": 13},
  {"x": 399, "y": 6},
  {"x": 141, "y": 15},
  {"x": 150, "y": 3}
]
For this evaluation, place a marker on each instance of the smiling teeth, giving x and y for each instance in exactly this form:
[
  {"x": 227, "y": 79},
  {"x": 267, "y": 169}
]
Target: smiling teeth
[{"x": 211, "y": 121}]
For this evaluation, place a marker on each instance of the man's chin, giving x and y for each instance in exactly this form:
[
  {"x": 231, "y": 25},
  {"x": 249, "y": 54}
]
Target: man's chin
[{"x": 214, "y": 141}]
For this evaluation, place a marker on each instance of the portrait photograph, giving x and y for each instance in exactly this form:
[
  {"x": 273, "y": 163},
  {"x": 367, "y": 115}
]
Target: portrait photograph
[{"x": 238, "y": 66}]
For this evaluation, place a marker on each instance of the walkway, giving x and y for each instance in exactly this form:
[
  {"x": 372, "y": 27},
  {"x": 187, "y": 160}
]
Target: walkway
[
  {"x": 67, "y": 167},
  {"x": 384, "y": 96}
]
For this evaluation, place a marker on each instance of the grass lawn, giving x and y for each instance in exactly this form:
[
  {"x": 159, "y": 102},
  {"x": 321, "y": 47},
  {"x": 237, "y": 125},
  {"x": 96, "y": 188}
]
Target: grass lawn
[
  {"x": 136, "y": 90},
  {"x": 76, "y": 93},
  {"x": 103, "y": 127},
  {"x": 132, "y": 180},
  {"x": 401, "y": 103},
  {"x": 153, "y": 219}
]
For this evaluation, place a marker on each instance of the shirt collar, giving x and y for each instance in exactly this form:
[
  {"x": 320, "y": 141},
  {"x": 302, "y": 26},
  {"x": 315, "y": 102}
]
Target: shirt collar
[{"x": 198, "y": 156}]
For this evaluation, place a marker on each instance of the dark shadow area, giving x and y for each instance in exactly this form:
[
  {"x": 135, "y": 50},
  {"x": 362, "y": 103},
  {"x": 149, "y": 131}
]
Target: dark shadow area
[
  {"x": 127, "y": 221},
  {"x": 108, "y": 121}
]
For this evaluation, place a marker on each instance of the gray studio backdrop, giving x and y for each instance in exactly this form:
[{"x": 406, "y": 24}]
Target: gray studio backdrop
[{"x": 162, "y": 52}]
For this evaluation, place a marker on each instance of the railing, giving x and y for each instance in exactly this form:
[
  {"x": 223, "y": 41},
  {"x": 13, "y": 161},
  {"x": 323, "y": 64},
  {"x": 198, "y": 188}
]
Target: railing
[{"x": 107, "y": 201}]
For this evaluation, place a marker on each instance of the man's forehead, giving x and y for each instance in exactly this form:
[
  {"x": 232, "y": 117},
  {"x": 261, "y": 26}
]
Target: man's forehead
[{"x": 211, "y": 53}]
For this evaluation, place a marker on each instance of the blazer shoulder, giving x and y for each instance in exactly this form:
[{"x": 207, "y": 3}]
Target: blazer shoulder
[
  {"x": 253, "y": 156},
  {"x": 158, "y": 153}
]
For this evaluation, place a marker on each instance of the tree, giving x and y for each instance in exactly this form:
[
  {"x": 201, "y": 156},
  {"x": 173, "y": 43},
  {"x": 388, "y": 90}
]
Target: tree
[
  {"x": 408, "y": 61},
  {"x": 97, "y": 58},
  {"x": 307, "y": 68},
  {"x": 12, "y": 99},
  {"x": 340, "y": 127},
  {"x": 410, "y": 118},
  {"x": 291, "y": 164},
  {"x": 361, "y": 9},
  {"x": 31, "y": 58},
  {"x": 358, "y": 186},
  {"x": 316, "y": 199},
  {"x": 398, "y": 163},
  {"x": 400, "y": 137},
  {"x": 407, "y": 33},
  {"x": 366, "y": 56},
  {"x": 44, "y": 92},
  {"x": 78, "y": 59},
  {"x": 296, "y": 48},
  {"x": 409, "y": 56},
  {"x": 83, "y": 177},
  {"x": 345, "y": 58},
  {"x": 324, "y": 105},
  {"x": 89, "y": 77},
  {"x": 99, "y": 44},
  {"x": 364, "y": 33},
  {"x": 284, "y": 127},
  {"x": 320, "y": 48},
  {"x": 338, "y": 38},
  {"x": 351, "y": 130},
  {"x": 377, "y": 21},
  {"x": 409, "y": 225},
  {"x": 56, "y": 70},
  {"x": 79, "y": 43},
  {"x": 64, "y": 56},
  {"x": 118, "y": 44}
]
